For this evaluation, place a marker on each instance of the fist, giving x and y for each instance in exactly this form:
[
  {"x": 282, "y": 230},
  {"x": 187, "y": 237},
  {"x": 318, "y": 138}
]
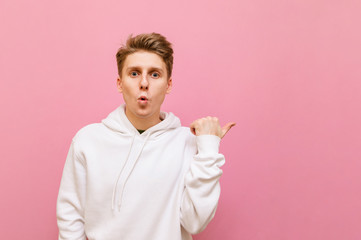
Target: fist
[{"x": 210, "y": 126}]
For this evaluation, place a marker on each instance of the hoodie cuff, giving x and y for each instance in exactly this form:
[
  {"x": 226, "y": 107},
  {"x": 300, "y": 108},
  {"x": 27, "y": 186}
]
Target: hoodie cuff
[{"x": 208, "y": 144}]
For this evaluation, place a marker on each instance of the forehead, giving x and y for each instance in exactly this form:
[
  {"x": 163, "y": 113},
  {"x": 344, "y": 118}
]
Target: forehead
[{"x": 144, "y": 59}]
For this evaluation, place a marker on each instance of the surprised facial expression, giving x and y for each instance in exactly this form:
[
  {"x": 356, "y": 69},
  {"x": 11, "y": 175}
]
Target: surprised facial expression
[{"x": 144, "y": 83}]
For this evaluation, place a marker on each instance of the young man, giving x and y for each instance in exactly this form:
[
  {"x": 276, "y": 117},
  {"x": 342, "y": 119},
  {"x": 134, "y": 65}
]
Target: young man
[{"x": 140, "y": 175}]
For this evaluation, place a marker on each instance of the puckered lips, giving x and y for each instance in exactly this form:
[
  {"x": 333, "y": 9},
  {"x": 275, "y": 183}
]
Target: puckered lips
[{"x": 143, "y": 99}]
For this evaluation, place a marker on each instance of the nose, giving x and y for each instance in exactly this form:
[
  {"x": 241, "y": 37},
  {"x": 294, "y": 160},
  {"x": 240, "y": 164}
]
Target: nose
[{"x": 144, "y": 84}]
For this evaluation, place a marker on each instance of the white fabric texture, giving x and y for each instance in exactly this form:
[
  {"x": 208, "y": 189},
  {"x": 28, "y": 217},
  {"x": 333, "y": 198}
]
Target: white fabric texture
[{"x": 118, "y": 184}]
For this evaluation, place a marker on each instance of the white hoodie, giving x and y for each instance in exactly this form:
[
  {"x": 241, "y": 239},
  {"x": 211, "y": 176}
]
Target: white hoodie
[{"x": 118, "y": 184}]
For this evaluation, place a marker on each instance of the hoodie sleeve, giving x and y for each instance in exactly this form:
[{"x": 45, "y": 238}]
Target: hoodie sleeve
[
  {"x": 70, "y": 204},
  {"x": 201, "y": 185}
]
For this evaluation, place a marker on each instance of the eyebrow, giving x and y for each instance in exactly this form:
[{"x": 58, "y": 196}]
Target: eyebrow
[{"x": 151, "y": 68}]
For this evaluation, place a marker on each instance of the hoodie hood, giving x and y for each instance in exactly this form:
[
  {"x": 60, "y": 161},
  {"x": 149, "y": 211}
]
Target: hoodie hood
[{"x": 118, "y": 122}]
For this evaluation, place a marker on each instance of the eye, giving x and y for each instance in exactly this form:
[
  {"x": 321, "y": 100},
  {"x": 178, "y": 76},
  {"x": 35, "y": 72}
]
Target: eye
[
  {"x": 133, "y": 74},
  {"x": 155, "y": 75}
]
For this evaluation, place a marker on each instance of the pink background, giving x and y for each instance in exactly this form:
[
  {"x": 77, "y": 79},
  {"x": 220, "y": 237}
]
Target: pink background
[{"x": 288, "y": 72}]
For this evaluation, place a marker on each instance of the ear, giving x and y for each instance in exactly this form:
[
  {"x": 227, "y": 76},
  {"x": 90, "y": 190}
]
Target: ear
[
  {"x": 169, "y": 85},
  {"x": 119, "y": 85}
]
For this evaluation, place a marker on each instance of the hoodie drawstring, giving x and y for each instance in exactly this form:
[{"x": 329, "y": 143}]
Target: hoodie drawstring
[
  {"x": 130, "y": 172},
  {"x": 116, "y": 183}
]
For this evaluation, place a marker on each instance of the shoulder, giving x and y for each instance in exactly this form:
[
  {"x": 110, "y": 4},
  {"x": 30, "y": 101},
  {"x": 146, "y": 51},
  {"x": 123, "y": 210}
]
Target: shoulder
[
  {"x": 190, "y": 138},
  {"x": 88, "y": 138},
  {"x": 89, "y": 131}
]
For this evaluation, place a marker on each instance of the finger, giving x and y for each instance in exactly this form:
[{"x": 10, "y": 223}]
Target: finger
[{"x": 227, "y": 127}]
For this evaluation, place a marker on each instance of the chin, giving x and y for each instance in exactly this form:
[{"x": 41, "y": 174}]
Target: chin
[{"x": 143, "y": 113}]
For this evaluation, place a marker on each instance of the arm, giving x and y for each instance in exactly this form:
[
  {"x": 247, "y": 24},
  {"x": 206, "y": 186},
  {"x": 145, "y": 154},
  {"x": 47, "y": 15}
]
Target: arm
[
  {"x": 70, "y": 204},
  {"x": 202, "y": 188}
]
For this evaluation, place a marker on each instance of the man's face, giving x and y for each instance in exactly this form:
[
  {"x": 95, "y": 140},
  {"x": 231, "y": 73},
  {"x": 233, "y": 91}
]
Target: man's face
[{"x": 144, "y": 84}]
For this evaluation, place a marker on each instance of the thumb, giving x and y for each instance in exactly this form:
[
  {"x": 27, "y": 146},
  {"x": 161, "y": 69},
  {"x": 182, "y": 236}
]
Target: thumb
[{"x": 226, "y": 128}]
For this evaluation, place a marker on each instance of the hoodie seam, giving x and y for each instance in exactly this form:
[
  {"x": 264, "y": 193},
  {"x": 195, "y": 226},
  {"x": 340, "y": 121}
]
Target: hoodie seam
[{"x": 77, "y": 154}]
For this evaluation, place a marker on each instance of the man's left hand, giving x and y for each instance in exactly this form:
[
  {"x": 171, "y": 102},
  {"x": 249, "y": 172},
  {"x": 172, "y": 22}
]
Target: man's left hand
[{"x": 210, "y": 126}]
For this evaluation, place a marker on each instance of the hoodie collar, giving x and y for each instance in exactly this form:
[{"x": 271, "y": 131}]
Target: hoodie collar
[{"x": 118, "y": 122}]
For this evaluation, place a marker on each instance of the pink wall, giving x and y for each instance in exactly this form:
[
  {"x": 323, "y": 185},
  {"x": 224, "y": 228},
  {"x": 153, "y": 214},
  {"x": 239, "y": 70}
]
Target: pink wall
[{"x": 288, "y": 72}]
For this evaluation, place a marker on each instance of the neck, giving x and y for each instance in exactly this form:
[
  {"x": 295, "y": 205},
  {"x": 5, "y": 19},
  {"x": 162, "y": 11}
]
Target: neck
[{"x": 143, "y": 123}]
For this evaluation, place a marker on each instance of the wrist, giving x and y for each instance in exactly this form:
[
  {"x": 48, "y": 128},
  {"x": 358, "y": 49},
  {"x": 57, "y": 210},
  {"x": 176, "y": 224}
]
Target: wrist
[{"x": 208, "y": 143}]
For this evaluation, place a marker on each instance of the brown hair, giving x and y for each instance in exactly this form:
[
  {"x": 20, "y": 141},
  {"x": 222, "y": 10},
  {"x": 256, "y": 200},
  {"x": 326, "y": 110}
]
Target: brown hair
[{"x": 151, "y": 42}]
